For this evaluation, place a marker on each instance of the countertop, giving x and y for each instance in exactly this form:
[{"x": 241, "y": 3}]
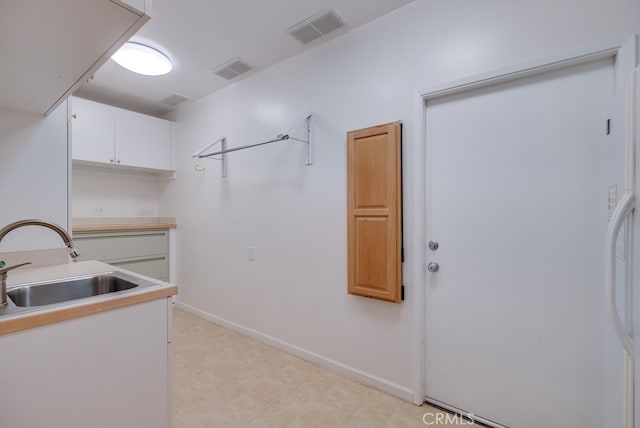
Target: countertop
[
  {"x": 110, "y": 224},
  {"x": 117, "y": 227},
  {"x": 81, "y": 307}
]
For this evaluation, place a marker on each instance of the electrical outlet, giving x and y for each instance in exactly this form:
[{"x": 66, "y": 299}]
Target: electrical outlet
[{"x": 252, "y": 253}]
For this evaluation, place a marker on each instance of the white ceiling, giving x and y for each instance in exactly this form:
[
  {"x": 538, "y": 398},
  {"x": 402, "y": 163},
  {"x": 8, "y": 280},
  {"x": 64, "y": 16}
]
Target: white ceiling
[{"x": 199, "y": 35}]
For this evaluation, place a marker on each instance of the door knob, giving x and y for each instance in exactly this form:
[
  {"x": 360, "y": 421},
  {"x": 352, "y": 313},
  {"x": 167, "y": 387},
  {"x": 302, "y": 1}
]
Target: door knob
[{"x": 433, "y": 267}]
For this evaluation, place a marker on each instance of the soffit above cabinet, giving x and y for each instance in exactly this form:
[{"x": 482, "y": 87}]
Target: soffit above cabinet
[{"x": 49, "y": 48}]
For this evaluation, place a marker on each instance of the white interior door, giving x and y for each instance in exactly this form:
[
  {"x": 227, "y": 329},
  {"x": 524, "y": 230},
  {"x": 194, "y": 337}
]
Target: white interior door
[{"x": 517, "y": 201}]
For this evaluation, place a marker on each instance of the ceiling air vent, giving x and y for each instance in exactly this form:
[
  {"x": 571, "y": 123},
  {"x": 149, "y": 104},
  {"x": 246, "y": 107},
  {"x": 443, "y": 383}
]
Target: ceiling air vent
[
  {"x": 232, "y": 68},
  {"x": 316, "y": 26},
  {"x": 174, "y": 100}
]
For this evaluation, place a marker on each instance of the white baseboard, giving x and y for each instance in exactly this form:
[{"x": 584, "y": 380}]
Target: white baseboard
[{"x": 385, "y": 386}]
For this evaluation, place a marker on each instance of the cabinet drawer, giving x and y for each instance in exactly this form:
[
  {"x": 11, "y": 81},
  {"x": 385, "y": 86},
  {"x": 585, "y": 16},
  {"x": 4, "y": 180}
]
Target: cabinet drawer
[
  {"x": 109, "y": 246},
  {"x": 155, "y": 268}
]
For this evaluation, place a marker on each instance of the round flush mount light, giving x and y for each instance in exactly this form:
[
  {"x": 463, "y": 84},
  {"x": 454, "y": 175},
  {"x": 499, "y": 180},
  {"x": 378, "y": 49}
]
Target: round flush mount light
[{"x": 142, "y": 59}]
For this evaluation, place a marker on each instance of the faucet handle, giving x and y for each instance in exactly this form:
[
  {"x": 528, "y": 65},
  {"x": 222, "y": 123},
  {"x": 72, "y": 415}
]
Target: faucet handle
[{"x": 4, "y": 270}]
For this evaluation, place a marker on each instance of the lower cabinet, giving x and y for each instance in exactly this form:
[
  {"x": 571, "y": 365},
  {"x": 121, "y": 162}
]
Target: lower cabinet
[
  {"x": 145, "y": 252},
  {"x": 106, "y": 370}
]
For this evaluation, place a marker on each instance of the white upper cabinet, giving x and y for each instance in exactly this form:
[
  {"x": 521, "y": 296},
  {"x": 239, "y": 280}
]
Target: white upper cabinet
[
  {"x": 142, "y": 141},
  {"x": 49, "y": 48},
  {"x": 92, "y": 131},
  {"x": 103, "y": 135}
]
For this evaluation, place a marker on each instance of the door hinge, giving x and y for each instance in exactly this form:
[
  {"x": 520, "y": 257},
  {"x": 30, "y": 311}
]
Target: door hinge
[
  {"x": 402, "y": 292},
  {"x": 608, "y": 126},
  {"x": 402, "y": 255}
]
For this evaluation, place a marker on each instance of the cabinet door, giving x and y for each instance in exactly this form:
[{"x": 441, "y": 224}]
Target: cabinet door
[
  {"x": 374, "y": 224},
  {"x": 142, "y": 141},
  {"x": 104, "y": 370},
  {"x": 92, "y": 131},
  {"x": 50, "y": 48}
]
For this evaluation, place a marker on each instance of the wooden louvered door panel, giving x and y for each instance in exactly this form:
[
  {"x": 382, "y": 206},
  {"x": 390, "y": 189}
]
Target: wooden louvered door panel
[{"x": 374, "y": 205}]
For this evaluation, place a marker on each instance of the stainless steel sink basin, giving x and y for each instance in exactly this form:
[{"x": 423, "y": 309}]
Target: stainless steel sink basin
[{"x": 70, "y": 289}]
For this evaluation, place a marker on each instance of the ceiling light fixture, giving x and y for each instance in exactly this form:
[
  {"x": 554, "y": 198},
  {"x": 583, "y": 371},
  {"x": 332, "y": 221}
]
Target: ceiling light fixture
[{"x": 142, "y": 59}]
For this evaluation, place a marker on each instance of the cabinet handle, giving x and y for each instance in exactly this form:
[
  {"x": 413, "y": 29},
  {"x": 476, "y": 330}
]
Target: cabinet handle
[
  {"x": 118, "y": 161},
  {"x": 75, "y": 116},
  {"x": 111, "y": 160}
]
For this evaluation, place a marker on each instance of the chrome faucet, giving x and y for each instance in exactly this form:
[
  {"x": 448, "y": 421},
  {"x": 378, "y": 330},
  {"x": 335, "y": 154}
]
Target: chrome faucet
[{"x": 73, "y": 250}]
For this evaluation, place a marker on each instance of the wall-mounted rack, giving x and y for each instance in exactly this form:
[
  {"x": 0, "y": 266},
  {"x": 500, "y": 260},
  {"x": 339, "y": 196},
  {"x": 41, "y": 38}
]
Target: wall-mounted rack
[
  {"x": 304, "y": 120},
  {"x": 223, "y": 145}
]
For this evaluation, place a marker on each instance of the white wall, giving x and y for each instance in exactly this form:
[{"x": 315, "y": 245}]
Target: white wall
[
  {"x": 294, "y": 215},
  {"x": 33, "y": 176},
  {"x": 100, "y": 192}
]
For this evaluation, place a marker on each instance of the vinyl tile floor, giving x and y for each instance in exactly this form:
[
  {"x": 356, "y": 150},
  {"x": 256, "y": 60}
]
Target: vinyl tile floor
[{"x": 222, "y": 379}]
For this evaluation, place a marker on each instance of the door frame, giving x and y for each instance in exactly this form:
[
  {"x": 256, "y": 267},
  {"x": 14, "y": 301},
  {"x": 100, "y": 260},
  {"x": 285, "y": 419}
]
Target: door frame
[{"x": 624, "y": 54}]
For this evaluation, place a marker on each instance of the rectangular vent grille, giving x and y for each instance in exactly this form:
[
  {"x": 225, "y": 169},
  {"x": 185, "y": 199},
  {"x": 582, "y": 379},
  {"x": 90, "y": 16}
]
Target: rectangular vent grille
[
  {"x": 316, "y": 26},
  {"x": 232, "y": 68},
  {"x": 174, "y": 100}
]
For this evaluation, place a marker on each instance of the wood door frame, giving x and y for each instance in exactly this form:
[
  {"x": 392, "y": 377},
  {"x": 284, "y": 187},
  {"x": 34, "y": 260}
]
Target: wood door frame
[{"x": 624, "y": 53}]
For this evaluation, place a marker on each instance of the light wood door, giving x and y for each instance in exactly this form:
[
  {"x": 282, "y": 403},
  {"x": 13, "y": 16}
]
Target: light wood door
[{"x": 374, "y": 194}]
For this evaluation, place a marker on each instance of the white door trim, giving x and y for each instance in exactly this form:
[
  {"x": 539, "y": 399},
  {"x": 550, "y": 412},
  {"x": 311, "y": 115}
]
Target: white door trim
[{"x": 624, "y": 54}]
